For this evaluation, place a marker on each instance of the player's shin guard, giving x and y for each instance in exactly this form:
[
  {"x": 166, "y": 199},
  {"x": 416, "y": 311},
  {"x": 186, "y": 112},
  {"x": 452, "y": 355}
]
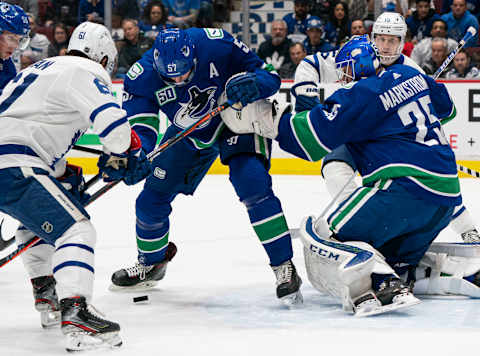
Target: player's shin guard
[
  {"x": 73, "y": 261},
  {"x": 253, "y": 186}
]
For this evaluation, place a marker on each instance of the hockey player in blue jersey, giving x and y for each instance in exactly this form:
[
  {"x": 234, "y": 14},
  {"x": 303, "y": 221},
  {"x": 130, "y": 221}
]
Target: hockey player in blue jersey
[
  {"x": 389, "y": 120},
  {"x": 185, "y": 75},
  {"x": 14, "y": 30},
  {"x": 338, "y": 167}
]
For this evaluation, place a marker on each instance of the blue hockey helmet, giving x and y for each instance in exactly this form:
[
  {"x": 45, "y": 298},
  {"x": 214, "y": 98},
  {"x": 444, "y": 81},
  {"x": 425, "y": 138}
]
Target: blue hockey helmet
[
  {"x": 357, "y": 59},
  {"x": 13, "y": 19},
  {"x": 174, "y": 55}
]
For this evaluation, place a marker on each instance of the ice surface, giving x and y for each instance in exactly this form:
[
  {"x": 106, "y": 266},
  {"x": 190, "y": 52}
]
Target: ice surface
[{"x": 218, "y": 297}]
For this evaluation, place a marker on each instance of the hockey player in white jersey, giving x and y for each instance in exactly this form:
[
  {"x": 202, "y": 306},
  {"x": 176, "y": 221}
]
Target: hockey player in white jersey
[
  {"x": 338, "y": 167},
  {"x": 43, "y": 112}
]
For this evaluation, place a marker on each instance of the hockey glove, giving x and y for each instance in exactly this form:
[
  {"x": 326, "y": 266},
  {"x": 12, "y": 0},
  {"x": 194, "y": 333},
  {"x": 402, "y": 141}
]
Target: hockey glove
[
  {"x": 242, "y": 88},
  {"x": 132, "y": 166},
  {"x": 73, "y": 181}
]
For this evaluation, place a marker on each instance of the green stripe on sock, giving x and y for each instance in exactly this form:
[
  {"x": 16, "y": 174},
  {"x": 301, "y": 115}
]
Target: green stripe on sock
[
  {"x": 271, "y": 228},
  {"x": 152, "y": 245}
]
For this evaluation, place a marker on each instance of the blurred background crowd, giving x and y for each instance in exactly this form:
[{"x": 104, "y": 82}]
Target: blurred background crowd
[{"x": 434, "y": 28}]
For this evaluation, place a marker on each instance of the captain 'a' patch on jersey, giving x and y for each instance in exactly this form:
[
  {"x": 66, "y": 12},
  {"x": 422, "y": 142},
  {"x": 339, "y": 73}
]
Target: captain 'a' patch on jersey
[{"x": 199, "y": 104}]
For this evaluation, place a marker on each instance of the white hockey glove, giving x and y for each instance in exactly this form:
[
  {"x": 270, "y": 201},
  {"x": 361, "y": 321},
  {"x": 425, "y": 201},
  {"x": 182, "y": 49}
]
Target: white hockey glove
[{"x": 260, "y": 117}]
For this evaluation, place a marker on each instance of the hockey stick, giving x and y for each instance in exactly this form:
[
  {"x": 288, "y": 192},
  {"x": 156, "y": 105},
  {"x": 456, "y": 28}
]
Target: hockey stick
[
  {"x": 170, "y": 142},
  {"x": 87, "y": 149},
  {"x": 471, "y": 31}
]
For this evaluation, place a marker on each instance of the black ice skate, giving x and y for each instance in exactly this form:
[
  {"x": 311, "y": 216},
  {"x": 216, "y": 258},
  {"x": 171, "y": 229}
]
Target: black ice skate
[
  {"x": 85, "y": 328},
  {"x": 391, "y": 295},
  {"x": 288, "y": 284},
  {"x": 46, "y": 300},
  {"x": 141, "y": 277}
]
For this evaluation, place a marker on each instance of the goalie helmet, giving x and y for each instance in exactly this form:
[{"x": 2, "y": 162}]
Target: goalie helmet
[
  {"x": 357, "y": 59},
  {"x": 390, "y": 23},
  {"x": 13, "y": 19},
  {"x": 174, "y": 55},
  {"x": 94, "y": 40}
]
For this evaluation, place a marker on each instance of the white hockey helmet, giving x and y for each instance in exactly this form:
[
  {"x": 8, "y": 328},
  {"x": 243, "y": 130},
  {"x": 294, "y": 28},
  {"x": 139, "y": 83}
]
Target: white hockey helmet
[
  {"x": 94, "y": 40},
  {"x": 390, "y": 23}
]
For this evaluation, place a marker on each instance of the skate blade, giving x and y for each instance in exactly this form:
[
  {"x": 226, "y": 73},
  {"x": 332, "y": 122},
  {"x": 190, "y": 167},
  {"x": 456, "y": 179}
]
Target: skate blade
[
  {"x": 140, "y": 287},
  {"x": 293, "y": 300},
  {"x": 401, "y": 301},
  {"x": 82, "y": 341},
  {"x": 50, "y": 319}
]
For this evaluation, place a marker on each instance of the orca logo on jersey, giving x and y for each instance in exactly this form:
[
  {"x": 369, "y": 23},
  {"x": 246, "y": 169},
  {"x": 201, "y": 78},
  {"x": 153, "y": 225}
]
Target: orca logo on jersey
[{"x": 200, "y": 103}]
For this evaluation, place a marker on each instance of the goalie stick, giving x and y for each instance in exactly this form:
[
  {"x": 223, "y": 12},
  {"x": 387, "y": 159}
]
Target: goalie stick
[{"x": 170, "y": 142}]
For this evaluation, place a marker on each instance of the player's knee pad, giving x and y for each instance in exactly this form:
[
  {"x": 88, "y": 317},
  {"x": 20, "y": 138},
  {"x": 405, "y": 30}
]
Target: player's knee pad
[
  {"x": 338, "y": 178},
  {"x": 445, "y": 267},
  {"x": 341, "y": 269},
  {"x": 82, "y": 232},
  {"x": 152, "y": 206},
  {"x": 249, "y": 177}
]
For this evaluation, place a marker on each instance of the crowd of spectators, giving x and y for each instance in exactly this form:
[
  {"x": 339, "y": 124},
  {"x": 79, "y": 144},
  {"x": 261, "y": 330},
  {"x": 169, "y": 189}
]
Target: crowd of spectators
[
  {"x": 434, "y": 28},
  {"x": 135, "y": 24}
]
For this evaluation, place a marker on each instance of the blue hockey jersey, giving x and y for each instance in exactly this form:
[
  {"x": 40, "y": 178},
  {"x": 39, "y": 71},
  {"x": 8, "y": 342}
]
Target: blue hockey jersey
[
  {"x": 7, "y": 71},
  {"x": 219, "y": 56},
  {"x": 390, "y": 123}
]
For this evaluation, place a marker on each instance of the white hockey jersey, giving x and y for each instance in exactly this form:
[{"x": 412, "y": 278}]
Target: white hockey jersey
[
  {"x": 320, "y": 68},
  {"x": 49, "y": 105}
]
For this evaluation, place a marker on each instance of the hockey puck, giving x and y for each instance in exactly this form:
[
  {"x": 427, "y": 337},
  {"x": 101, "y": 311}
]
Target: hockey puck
[{"x": 142, "y": 298}]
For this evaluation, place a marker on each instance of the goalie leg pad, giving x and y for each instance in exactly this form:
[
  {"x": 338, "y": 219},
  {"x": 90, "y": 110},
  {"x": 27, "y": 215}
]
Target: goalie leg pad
[
  {"x": 443, "y": 269},
  {"x": 340, "y": 269}
]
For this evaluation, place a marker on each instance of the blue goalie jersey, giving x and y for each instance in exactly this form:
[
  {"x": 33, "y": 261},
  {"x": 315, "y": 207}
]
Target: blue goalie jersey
[
  {"x": 390, "y": 123},
  {"x": 218, "y": 57}
]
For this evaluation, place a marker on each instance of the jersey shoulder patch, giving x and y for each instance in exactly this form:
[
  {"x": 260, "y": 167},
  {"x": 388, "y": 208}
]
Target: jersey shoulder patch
[
  {"x": 214, "y": 33},
  {"x": 142, "y": 79}
]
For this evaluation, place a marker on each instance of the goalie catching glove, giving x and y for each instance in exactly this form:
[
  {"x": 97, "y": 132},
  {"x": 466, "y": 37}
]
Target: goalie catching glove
[
  {"x": 132, "y": 166},
  {"x": 261, "y": 117}
]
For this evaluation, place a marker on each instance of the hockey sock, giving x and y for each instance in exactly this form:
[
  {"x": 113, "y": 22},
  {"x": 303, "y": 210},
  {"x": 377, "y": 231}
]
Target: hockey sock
[
  {"x": 152, "y": 226},
  {"x": 253, "y": 186}
]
